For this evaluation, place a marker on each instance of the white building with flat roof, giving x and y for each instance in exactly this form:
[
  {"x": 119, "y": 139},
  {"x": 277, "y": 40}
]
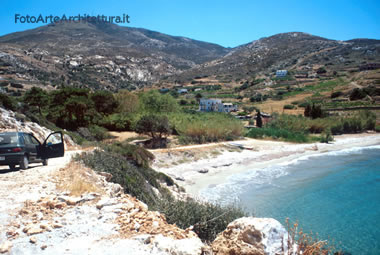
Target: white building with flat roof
[
  {"x": 281, "y": 73},
  {"x": 216, "y": 105}
]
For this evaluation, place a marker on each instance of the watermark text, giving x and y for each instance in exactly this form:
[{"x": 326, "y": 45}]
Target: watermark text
[{"x": 45, "y": 19}]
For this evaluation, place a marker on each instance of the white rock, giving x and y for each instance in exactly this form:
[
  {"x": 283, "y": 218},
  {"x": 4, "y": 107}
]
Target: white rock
[
  {"x": 106, "y": 202},
  {"x": 273, "y": 233},
  {"x": 188, "y": 246},
  {"x": 5, "y": 247}
]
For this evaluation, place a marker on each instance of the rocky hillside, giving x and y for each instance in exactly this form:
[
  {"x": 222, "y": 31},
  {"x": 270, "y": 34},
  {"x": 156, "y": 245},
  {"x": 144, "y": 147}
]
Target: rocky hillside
[
  {"x": 13, "y": 122},
  {"x": 97, "y": 55},
  {"x": 291, "y": 51},
  {"x": 108, "y": 56}
]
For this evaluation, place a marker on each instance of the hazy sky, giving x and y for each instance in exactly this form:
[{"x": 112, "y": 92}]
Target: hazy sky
[{"x": 228, "y": 23}]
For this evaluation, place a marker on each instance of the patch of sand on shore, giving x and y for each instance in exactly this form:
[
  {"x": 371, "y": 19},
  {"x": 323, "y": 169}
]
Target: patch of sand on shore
[{"x": 198, "y": 166}]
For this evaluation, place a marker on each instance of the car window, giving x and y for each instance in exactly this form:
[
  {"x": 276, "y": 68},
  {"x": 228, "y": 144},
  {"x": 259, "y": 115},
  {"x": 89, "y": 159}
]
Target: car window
[
  {"x": 34, "y": 140},
  {"x": 54, "y": 139},
  {"x": 27, "y": 139},
  {"x": 8, "y": 138}
]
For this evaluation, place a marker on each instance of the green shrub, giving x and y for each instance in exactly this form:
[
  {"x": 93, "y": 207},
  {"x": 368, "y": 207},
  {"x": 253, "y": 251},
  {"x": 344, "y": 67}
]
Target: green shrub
[
  {"x": 206, "y": 127},
  {"x": 357, "y": 94},
  {"x": 138, "y": 154},
  {"x": 119, "y": 122},
  {"x": 326, "y": 137},
  {"x": 207, "y": 219},
  {"x": 303, "y": 104},
  {"x": 7, "y": 102},
  {"x": 278, "y": 133},
  {"x": 289, "y": 106},
  {"x": 336, "y": 94},
  {"x": 137, "y": 181},
  {"x": 99, "y": 133}
]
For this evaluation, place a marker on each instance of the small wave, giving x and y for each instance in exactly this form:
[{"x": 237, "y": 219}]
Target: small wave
[
  {"x": 230, "y": 191},
  {"x": 329, "y": 153}
]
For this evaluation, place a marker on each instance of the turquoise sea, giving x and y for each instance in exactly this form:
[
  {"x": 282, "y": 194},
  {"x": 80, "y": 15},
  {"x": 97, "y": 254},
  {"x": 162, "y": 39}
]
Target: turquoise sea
[{"x": 336, "y": 195}]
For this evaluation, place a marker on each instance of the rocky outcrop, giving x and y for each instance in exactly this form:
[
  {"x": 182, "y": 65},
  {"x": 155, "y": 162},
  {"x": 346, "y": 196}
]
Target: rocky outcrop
[
  {"x": 103, "y": 222},
  {"x": 252, "y": 236},
  {"x": 10, "y": 122}
]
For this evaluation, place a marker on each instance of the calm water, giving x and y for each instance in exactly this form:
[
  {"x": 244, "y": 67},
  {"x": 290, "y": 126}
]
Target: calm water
[{"x": 336, "y": 194}]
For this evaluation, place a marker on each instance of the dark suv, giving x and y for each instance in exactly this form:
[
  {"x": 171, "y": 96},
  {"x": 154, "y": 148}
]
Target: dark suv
[{"x": 18, "y": 148}]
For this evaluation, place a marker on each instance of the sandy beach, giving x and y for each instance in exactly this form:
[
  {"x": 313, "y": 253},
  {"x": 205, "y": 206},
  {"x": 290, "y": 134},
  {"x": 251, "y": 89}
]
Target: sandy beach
[{"x": 199, "y": 166}]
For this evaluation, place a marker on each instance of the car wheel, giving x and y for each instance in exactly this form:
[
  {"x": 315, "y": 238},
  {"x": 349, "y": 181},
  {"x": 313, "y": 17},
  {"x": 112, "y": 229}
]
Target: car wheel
[
  {"x": 24, "y": 164},
  {"x": 12, "y": 167},
  {"x": 45, "y": 162}
]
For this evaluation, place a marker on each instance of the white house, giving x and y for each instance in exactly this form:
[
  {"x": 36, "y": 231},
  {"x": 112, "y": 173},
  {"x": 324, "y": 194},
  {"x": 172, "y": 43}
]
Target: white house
[
  {"x": 227, "y": 107},
  {"x": 215, "y": 105},
  {"x": 182, "y": 91},
  {"x": 281, "y": 73}
]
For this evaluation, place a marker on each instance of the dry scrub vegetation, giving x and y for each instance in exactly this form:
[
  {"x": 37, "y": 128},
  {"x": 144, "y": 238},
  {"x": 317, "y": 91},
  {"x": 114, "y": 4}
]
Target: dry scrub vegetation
[
  {"x": 307, "y": 244},
  {"x": 77, "y": 180}
]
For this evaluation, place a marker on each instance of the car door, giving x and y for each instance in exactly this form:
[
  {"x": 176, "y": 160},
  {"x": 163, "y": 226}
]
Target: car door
[
  {"x": 31, "y": 147},
  {"x": 53, "y": 146}
]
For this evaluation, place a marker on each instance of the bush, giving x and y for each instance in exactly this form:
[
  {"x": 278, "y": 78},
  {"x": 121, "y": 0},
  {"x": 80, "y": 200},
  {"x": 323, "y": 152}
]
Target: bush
[
  {"x": 154, "y": 102},
  {"x": 357, "y": 94},
  {"x": 289, "y": 106},
  {"x": 137, "y": 154},
  {"x": 207, "y": 219},
  {"x": 119, "y": 122},
  {"x": 278, "y": 133},
  {"x": 314, "y": 111},
  {"x": 99, "y": 133},
  {"x": 93, "y": 133},
  {"x": 336, "y": 94},
  {"x": 137, "y": 181},
  {"x": 7, "y": 102},
  {"x": 326, "y": 137},
  {"x": 206, "y": 127},
  {"x": 363, "y": 120}
]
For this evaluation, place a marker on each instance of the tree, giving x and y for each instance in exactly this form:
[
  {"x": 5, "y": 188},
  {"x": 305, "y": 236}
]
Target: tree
[
  {"x": 198, "y": 96},
  {"x": 36, "y": 97},
  {"x": 71, "y": 108},
  {"x": 155, "y": 126},
  {"x": 321, "y": 70},
  {"x": 259, "y": 120},
  {"x": 7, "y": 102},
  {"x": 104, "y": 101},
  {"x": 128, "y": 102},
  {"x": 357, "y": 94},
  {"x": 314, "y": 111},
  {"x": 154, "y": 102},
  {"x": 307, "y": 112}
]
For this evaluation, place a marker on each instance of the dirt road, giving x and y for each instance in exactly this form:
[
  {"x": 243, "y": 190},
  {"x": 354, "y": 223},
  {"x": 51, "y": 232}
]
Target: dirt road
[{"x": 21, "y": 185}]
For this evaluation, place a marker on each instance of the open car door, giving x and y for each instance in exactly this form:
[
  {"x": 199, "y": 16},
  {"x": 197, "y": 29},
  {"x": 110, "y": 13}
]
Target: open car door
[{"x": 53, "y": 146}]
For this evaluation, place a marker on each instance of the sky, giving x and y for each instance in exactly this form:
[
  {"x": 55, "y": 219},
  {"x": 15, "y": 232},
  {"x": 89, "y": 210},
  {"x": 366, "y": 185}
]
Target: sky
[{"x": 225, "y": 22}]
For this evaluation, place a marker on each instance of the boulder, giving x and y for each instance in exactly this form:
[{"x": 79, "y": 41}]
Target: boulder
[
  {"x": 252, "y": 236},
  {"x": 203, "y": 171}
]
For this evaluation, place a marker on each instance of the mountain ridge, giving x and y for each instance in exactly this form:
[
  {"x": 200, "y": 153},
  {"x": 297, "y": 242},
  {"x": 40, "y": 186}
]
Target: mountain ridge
[{"x": 108, "y": 56}]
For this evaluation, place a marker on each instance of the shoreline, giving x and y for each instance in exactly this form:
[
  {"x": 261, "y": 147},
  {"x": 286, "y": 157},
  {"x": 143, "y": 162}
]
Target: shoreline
[{"x": 195, "y": 173}]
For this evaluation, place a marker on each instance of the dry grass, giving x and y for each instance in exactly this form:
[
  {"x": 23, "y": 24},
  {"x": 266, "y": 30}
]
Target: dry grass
[
  {"x": 77, "y": 180},
  {"x": 307, "y": 244},
  {"x": 121, "y": 136},
  {"x": 271, "y": 106}
]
